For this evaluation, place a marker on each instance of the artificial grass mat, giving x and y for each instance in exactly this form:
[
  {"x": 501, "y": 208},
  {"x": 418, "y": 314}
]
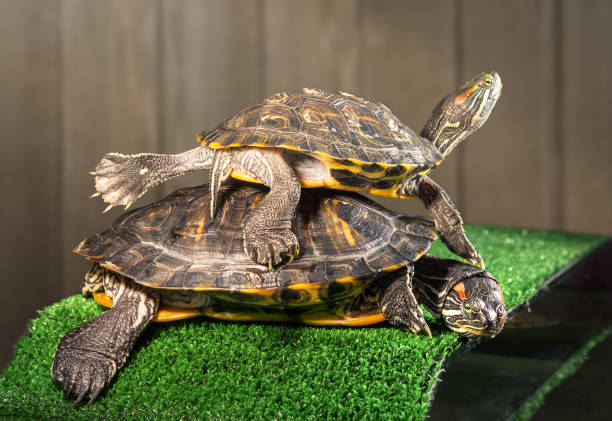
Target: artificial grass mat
[{"x": 199, "y": 368}]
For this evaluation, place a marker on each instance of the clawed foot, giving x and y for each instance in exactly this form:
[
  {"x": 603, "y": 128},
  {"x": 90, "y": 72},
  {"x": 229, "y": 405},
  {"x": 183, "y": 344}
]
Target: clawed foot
[
  {"x": 458, "y": 243},
  {"x": 270, "y": 246},
  {"x": 121, "y": 179},
  {"x": 82, "y": 373},
  {"x": 409, "y": 316},
  {"x": 400, "y": 307},
  {"x": 475, "y": 259}
]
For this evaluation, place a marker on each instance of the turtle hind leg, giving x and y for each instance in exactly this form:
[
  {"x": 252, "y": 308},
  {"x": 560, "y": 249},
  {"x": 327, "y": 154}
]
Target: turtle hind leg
[
  {"x": 399, "y": 305},
  {"x": 268, "y": 238},
  {"x": 122, "y": 179},
  {"x": 88, "y": 357}
]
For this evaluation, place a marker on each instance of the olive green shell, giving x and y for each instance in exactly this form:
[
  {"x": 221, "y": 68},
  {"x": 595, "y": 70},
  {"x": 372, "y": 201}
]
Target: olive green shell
[
  {"x": 172, "y": 244},
  {"x": 340, "y": 127}
]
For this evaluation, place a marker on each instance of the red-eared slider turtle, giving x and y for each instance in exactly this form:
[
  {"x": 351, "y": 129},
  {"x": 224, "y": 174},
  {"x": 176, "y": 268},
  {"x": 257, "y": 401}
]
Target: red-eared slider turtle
[
  {"x": 167, "y": 261},
  {"x": 315, "y": 138}
]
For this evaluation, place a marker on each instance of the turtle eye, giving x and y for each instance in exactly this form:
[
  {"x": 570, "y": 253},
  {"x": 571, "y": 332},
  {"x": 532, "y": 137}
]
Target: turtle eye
[
  {"x": 488, "y": 81},
  {"x": 467, "y": 307}
]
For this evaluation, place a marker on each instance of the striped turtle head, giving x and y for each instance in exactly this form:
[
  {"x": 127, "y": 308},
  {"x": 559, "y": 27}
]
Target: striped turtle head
[
  {"x": 475, "y": 307},
  {"x": 462, "y": 111}
]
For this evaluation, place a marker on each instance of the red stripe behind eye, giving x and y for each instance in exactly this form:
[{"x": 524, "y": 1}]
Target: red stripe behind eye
[
  {"x": 501, "y": 293},
  {"x": 463, "y": 95},
  {"x": 460, "y": 288}
]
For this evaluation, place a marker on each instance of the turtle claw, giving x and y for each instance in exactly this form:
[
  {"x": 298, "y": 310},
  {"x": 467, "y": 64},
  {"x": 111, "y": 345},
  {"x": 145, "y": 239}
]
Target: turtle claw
[
  {"x": 458, "y": 243},
  {"x": 400, "y": 307},
  {"x": 94, "y": 396},
  {"x": 270, "y": 247},
  {"x": 417, "y": 323},
  {"x": 81, "y": 373},
  {"x": 121, "y": 179},
  {"x": 412, "y": 321},
  {"x": 476, "y": 260},
  {"x": 79, "y": 398},
  {"x": 292, "y": 256}
]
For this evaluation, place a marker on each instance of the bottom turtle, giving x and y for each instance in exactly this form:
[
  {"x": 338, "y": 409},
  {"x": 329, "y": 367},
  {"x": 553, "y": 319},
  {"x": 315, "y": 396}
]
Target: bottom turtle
[{"x": 360, "y": 264}]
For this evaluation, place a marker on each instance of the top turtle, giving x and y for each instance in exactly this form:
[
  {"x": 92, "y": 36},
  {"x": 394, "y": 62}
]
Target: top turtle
[{"x": 315, "y": 138}]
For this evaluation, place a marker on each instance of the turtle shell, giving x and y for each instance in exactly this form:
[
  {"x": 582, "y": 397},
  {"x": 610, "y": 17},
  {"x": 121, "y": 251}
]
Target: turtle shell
[
  {"x": 345, "y": 239},
  {"x": 341, "y": 129}
]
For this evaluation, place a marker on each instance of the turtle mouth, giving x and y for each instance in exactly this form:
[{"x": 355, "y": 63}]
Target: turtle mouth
[
  {"x": 497, "y": 86},
  {"x": 489, "y": 333}
]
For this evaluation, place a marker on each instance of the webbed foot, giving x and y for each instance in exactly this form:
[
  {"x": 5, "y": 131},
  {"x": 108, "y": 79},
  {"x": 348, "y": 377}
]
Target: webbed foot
[
  {"x": 82, "y": 373},
  {"x": 121, "y": 179},
  {"x": 447, "y": 218},
  {"x": 84, "y": 363},
  {"x": 88, "y": 356},
  {"x": 400, "y": 307},
  {"x": 458, "y": 243}
]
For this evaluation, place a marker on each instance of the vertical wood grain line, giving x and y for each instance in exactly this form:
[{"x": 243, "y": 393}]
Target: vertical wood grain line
[
  {"x": 161, "y": 72},
  {"x": 29, "y": 164},
  {"x": 460, "y": 173},
  {"x": 261, "y": 61},
  {"x": 559, "y": 101},
  {"x": 59, "y": 241},
  {"x": 360, "y": 48}
]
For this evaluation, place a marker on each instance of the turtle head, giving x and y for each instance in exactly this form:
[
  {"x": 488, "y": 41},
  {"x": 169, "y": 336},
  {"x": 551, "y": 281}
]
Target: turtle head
[
  {"x": 475, "y": 307},
  {"x": 462, "y": 111}
]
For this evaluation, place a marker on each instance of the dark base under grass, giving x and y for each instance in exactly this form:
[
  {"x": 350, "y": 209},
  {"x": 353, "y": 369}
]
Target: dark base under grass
[
  {"x": 208, "y": 369},
  {"x": 574, "y": 363}
]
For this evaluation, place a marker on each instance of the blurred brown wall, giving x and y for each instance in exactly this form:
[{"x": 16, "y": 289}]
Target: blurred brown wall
[{"x": 79, "y": 78}]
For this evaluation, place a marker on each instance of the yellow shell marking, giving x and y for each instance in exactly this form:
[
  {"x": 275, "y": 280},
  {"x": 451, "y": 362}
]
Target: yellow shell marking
[
  {"x": 318, "y": 318},
  {"x": 330, "y": 319},
  {"x": 346, "y": 229},
  {"x": 333, "y": 163},
  {"x": 331, "y": 160},
  {"x": 164, "y": 314}
]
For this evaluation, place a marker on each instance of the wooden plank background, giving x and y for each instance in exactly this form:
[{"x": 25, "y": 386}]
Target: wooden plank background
[{"x": 79, "y": 78}]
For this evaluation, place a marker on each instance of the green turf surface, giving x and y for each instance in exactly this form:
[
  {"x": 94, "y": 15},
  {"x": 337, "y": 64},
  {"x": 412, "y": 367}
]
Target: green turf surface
[{"x": 208, "y": 369}]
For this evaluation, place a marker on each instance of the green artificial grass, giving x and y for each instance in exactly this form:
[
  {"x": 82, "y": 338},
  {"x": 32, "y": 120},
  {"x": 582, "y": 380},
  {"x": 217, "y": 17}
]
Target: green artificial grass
[
  {"x": 200, "y": 368},
  {"x": 530, "y": 407}
]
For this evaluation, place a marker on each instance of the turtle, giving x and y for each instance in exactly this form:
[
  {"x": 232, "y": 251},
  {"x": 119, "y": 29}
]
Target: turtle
[
  {"x": 168, "y": 260},
  {"x": 315, "y": 138}
]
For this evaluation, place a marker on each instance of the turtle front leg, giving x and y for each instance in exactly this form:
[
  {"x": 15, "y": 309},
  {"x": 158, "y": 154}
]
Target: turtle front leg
[
  {"x": 446, "y": 216},
  {"x": 88, "y": 357},
  {"x": 399, "y": 305},
  {"x": 122, "y": 179},
  {"x": 268, "y": 238}
]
